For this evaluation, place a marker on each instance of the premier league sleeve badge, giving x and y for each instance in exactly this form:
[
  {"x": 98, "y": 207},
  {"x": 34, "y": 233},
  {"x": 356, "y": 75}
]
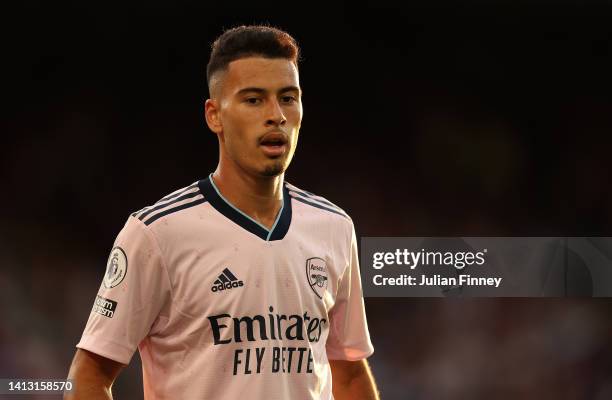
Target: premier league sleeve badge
[{"x": 116, "y": 268}]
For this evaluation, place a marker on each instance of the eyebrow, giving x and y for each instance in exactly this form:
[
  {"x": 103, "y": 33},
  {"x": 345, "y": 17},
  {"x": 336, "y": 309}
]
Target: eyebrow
[{"x": 262, "y": 91}]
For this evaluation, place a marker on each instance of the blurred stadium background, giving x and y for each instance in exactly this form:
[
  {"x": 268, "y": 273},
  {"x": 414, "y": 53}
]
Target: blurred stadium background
[{"x": 438, "y": 118}]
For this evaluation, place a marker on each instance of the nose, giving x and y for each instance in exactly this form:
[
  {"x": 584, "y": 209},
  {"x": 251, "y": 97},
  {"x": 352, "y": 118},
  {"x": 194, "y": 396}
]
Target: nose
[{"x": 276, "y": 117}]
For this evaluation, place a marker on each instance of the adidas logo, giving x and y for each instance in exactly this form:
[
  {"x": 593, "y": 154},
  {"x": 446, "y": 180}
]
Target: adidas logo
[{"x": 226, "y": 280}]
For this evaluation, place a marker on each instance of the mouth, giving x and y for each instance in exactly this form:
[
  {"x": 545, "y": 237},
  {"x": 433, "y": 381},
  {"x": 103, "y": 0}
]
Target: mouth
[{"x": 274, "y": 144}]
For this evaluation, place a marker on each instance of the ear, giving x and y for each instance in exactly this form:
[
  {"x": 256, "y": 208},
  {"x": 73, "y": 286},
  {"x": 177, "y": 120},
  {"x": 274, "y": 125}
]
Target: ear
[{"x": 211, "y": 113}]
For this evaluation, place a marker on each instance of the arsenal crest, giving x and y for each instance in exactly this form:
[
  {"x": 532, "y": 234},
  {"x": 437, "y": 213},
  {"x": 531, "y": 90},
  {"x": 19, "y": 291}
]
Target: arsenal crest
[{"x": 316, "y": 273}]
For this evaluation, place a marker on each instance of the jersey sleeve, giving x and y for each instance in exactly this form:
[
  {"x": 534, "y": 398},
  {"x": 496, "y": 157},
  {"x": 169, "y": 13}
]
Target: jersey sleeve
[
  {"x": 132, "y": 294},
  {"x": 349, "y": 338}
]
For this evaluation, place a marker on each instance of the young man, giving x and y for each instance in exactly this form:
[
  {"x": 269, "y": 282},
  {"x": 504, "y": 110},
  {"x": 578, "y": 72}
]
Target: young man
[{"x": 239, "y": 285}]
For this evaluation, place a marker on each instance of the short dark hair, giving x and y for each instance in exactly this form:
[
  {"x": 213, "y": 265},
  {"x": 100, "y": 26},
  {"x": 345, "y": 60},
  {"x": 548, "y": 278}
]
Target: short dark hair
[{"x": 250, "y": 41}]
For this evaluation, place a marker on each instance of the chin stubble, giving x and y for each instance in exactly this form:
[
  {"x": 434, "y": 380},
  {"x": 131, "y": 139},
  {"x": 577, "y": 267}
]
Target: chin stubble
[{"x": 274, "y": 169}]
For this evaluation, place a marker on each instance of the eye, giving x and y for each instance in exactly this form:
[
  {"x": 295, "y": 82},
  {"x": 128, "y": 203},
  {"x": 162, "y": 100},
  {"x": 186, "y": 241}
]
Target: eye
[
  {"x": 288, "y": 99},
  {"x": 253, "y": 100}
]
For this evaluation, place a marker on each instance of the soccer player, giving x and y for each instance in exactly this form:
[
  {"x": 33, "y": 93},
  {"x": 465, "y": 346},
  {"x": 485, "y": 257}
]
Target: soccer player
[{"x": 240, "y": 285}]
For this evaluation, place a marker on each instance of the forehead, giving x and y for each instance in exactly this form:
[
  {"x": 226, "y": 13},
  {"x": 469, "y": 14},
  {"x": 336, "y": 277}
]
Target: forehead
[{"x": 258, "y": 72}]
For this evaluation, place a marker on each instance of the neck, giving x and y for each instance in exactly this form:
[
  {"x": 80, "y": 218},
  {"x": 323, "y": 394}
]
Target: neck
[{"x": 260, "y": 197}]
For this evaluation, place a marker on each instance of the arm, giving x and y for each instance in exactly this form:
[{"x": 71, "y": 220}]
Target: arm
[
  {"x": 353, "y": 380},
  {"x": 125, "y": 310},
  {"x": 92, "y": 376}
]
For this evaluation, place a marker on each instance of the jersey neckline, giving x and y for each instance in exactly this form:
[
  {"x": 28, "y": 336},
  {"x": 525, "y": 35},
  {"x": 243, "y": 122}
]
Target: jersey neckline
[{"x": 219, "y": 203}]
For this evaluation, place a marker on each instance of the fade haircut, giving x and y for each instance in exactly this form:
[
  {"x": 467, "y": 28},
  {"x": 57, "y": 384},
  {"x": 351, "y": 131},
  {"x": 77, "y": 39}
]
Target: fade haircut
[{"x": 250, "y": 41}]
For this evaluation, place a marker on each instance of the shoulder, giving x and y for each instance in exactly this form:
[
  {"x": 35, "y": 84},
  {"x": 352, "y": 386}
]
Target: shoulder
[
  {"x": 316, "y": 202},
  {"x": 179, "y": 200}
]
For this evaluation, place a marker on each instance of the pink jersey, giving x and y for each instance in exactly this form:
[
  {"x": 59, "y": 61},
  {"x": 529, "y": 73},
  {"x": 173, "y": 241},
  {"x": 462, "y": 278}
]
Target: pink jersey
[{"x": 222, "y": 308}]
